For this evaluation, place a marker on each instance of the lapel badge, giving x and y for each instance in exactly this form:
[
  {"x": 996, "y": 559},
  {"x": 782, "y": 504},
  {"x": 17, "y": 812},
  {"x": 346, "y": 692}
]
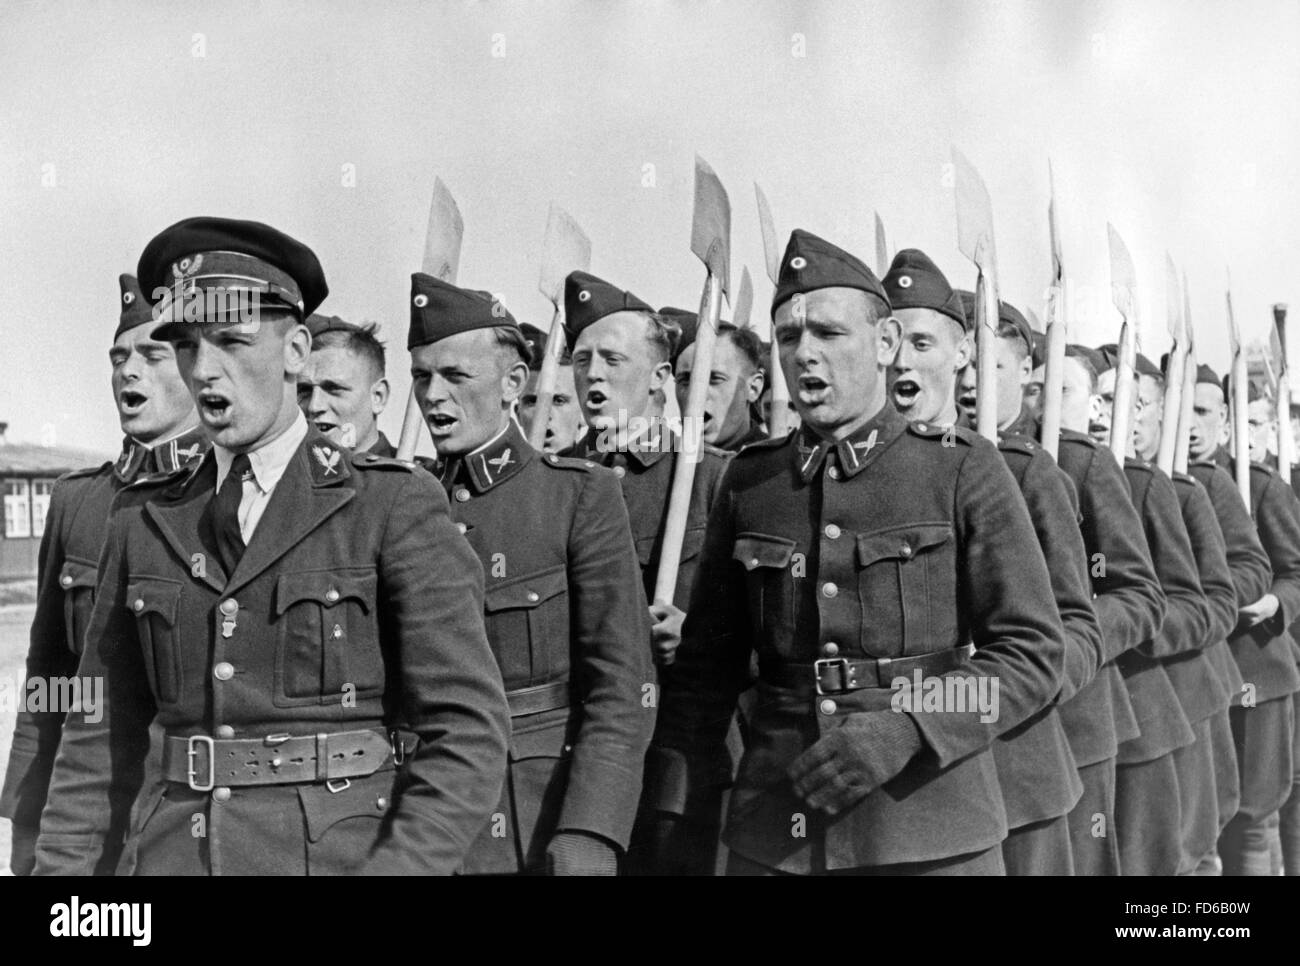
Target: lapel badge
[{"x": 327, "y": 458}]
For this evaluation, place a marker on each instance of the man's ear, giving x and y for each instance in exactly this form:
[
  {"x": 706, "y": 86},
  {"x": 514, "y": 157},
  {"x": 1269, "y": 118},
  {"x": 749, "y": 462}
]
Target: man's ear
[
  {"x": 889, "y": 338},
  {"x": 513, "y": 381},
  {"x": 379, "y": 396},
  {"x": 754, "y": 386},
  {"x": 297, "y": 348},
  {"x": 660, "y": 375},
  {"x": 1094, "y": 407},
  {"x": 964, "y": 354}
]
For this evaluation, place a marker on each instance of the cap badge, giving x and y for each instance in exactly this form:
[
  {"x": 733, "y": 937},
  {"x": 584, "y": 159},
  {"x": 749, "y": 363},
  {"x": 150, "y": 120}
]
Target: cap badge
[
  {"x": 798, "y": 262},
  {"x": 328, "y": 458},
  {"x": 905, "y": 281},
  {"x": 128, "y": 298},
  {"x": 187, "y": 266},
  {"x": 420, "y": 301},
  {"x": 584, "y": 296}
]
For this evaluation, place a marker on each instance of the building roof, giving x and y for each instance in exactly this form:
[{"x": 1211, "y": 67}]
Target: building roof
[{"x": 29, "y": 459}]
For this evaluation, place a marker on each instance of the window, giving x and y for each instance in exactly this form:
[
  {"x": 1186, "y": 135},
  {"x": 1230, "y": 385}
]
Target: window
[
  {"x": 18, "y": 520},
  {"x": 41, "y": 490}
]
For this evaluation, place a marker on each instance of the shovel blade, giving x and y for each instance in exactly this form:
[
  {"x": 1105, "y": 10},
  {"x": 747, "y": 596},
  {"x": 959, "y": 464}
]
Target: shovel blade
[
  {"x": 711, "y": 224},
  {"x": 771, "y": 253},
  {"x": 444, "y": 236}
]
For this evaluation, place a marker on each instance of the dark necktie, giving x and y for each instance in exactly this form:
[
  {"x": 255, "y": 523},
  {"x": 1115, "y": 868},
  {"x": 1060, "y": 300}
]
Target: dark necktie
[{"x": 225, "y": 513}]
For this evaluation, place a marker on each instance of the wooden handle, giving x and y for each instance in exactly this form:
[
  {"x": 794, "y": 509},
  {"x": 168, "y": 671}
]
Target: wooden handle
[
  {"x": 777, "y": 418},
  {"x": 1241, "y": 426},
  {"x": 1121, "y": 413},
  {"x": 546, "y": 380},
  {"x": 1171, "y": 426},
  {"x": 411, "y": 423}
]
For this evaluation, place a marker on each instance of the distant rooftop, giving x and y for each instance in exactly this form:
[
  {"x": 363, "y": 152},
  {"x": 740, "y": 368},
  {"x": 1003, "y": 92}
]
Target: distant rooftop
[{"x": 34, "y": 459}]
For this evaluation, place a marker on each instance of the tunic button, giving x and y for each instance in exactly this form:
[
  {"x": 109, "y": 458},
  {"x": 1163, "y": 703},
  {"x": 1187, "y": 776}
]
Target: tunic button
[
  {"x": 552, "y": 458},
  {"x": 223, "y": 671},
  {"x": 332, "y": 595},
  {"x": 66, "y": 580},
  {"x": 832, "y": 531},
  {"x": 620, "y": 471},
  {"x": 461, "y": 527},
  {"x": 225, "y": 731},
  {"x": 461, "y": 494},
  {"x": 829, "y": 589},
  {"x": 381, "y": 803},
  {"x": 833, "y": 472},
  {"x": 221, "y": 794},
  {"x": 905, "y": 550},
  {"x": 533, "y": 597},
  {"x": 830, "y": 649},
  {"x": 138, "y": 605},
  {"x": 827, "y": 706},
  {"x": 229, "y": 606}
]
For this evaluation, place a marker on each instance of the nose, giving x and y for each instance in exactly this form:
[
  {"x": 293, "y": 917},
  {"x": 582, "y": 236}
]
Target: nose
[
  {"x": 316, "y": 403},
  {"x": 803, "y": 350},
  {"x": 435, "y": 391},
  {"x": 206, "y": 367},
  {"x": 133, "y": 367}
]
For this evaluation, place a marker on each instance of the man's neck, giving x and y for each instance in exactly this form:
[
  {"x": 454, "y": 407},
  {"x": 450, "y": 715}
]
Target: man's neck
[
  {"x": 486, "y": 440},
  {"x": 848, "y": 429},
  {"x": 283, "y": 422},
  {"x": 167, "y": 435}
]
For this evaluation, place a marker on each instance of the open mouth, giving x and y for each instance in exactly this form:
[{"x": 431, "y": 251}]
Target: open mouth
[
  {"x": 596, "y": 399},
  {"x": 131, "y": 402},
  {"x": 905, "y": 393},
  {"x": 325, "y": 426},
  {"x": 214, "y": 407},
  {"x": 441, "y": 424},
  {"x": 813, "y": 390}
]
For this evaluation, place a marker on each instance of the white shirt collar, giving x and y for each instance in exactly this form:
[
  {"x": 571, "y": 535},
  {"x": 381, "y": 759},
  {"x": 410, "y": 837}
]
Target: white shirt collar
[{"x": 270, "y": 460}]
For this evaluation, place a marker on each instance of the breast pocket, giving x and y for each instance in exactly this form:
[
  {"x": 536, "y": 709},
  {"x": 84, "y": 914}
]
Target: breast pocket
[
  {"x": 906, "y": 586},
  {"x": 328, "y": 639},
  {"x": 153, "y": 601},
  {"x": 528, "y": 627},
  {"x": 769, "y": 584},
  {"x": 77, "y": 580}
]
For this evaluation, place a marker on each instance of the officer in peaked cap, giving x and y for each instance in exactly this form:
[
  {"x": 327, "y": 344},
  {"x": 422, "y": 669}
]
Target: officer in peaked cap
[
  {"x": 622, "y": 361},
  {"x": 875, "y": 509},
  {"x": 1148, "y": 807},
  {"x": 564, "y": 426},
  {"x": 343, "y": 390},
  {"x": 162, "y": 437},
  {"x": 1263, "y": 710},
  {"x": 1036, "y": 769},
  {"x": 269, "y": 611},
  {"x": 566, "y": 615}
]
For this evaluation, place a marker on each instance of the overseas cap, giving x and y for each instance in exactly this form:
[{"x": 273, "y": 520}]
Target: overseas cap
[
  {"x": 136, "y": 309},
  {"x": 440, "y": 309},
  {"x": 915, "y": 282},
  {"x": 811, "y": 263},
  {"x": 229, "y": 256},
  {"x": 589, "y": 299}
]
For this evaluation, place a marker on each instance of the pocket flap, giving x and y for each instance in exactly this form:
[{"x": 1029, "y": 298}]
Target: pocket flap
[
  {"x": 151, "y": 595},
  {"x": 760, "y": 550},
  {"x": 77, "y": 574},
  {"x": 327, "y": 588},
  {"x": 526, "y": 591},
  {"x": 549, "y": 741},
  {"x": 901, "y": 543},
  {"x": 362, "y": 798},
  {"x": 692, "y": 543}
]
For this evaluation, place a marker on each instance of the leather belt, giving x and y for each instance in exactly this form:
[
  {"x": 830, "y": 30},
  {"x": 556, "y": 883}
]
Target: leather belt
[
  {"x": 203, "y": 762},
  {"x": 538, "y": 698},
  {"x": 835, "y": 675}
]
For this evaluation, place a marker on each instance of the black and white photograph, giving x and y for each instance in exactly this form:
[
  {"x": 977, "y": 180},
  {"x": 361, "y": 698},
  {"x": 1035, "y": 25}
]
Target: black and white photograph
[{"x": 653, "y": 439}]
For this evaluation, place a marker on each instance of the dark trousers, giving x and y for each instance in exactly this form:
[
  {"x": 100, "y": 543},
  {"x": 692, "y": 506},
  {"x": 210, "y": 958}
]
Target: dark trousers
[
  {"x": 988, "y": 862},
  {"x": 1263, "y": 736},
  {"x": 1197, "y": 798},
  {"x": 1093, "y": 842},
  {"x": 1289, "y": 824},
  {"x": 1148, "y": 817},
  {"x": 1039, "y": 848},
  {"x": 1227, "y": 778}
]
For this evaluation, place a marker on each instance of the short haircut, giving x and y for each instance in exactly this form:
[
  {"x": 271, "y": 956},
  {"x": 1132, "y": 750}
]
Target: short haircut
[
  {"x": 361, "y": 340},
  {"x": 1010, "y": 332},
  {"x": 747, "y": 343},
  {"x": 663, "y": 335},
  {"x": 511, "y": 337}
]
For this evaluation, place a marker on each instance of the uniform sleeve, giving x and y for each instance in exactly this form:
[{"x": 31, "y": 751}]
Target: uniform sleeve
[
  {"x": 36, "y": 734},
  {"x": 689, "y": 761},
  {"x": 1211, "y": 561},
  {"x": 1050, "y": 497},
  {"x": 611, "y": 665},
  {"x": 1252, "y": 574},
  {"x": 431, "y": 606},
  {"x": 1187, "y": 616},
  {"x": 1279, "y": 531},
  {"x": 1130, "y": 605},
  {"x": 1003, "y": 581},
  {"x": 100, "y": 764}
]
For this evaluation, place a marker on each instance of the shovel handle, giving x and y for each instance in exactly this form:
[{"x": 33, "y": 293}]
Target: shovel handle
[{"x": 546, "y": 381}]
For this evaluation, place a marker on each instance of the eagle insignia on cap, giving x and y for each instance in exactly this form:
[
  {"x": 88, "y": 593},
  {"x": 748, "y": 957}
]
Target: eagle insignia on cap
[
  {"x": 798, "y": 262},
  {"x": 187, "y": 266},
  {"x": 420, "y": 301},
  {"x": 905, "y": 281},
  {"x": 327, "y": 458}
]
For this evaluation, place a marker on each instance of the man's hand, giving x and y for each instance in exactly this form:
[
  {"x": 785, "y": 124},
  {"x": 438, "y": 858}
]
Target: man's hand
[
  {"x": 22, "y": 856},
  {"x": 1260, "y": 611},
  {"x": 667, "y": 631},
  {"x": 580, "y": 853},
  {"x": 848, "y": 764}
]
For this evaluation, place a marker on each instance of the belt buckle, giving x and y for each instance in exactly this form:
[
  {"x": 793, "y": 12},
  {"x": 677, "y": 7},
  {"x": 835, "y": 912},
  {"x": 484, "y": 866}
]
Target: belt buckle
[
  {"x": 191, "y": 753},
  {"x": 840, "y": 663}
]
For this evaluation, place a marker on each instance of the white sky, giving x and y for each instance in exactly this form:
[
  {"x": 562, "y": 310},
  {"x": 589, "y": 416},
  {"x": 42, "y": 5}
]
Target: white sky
[{"x": 1176, "y": 121}]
